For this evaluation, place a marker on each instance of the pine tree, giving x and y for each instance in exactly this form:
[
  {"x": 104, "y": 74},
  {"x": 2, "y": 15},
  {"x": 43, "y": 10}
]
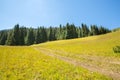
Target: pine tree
[
  {"x": 51, "y": 34},
  {"x": 3, "y": 37},
  {"x": 71, "y": 31},
  {"x": 37, "y": 36},
  {"x": 22, "y": 32},
  {"x": 10, "y": 38},
  {"x": 85, "y": 30},
  {"x": 79, "y": 32},
  {"x": 59, "y": 33},
  {"x": 44, "y": 34},
  {"x": 30, "y": 37},
  {"x": 103, "y": 30},
  {"x": 16, "y": 34},
  {"x": 94, "y": 30}
]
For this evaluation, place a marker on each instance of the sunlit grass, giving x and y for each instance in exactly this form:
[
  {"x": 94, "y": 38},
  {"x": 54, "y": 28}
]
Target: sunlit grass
[
  {"x": 95, "y": 45},
  {"x": 96, "y": 50},
  {"x": 26, "y": 63}
]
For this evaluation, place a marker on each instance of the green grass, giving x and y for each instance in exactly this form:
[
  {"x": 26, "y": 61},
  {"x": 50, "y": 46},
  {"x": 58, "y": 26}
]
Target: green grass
[
  {"x": 96, "y": 51},
  {"x": 26, "y": 63},
  {"x": 96, "y": 45}
]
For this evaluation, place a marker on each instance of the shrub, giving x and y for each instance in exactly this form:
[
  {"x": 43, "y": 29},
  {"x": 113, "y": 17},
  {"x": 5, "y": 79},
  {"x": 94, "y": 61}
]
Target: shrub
[{"x": 116, "y": 49}]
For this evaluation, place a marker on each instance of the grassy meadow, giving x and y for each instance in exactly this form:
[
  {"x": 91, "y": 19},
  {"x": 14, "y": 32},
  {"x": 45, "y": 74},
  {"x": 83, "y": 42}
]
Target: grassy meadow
[
  {"x": 31, "y": 62},
  {"x": 26, "y": 63},
  {"x": 94, "y": 51}
]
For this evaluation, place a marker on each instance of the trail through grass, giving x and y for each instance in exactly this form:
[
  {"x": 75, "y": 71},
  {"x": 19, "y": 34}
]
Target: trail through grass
[
  {"x": 95, "y": 51},
  {"x": 27, "y": 63},
  {"x": 90, "y": 58},
  {"x": 87, "y": 65}
]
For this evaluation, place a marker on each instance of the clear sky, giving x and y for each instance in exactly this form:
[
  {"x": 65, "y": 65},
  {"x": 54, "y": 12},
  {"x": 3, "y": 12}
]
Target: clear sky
[{"x": 34, "y": 13}]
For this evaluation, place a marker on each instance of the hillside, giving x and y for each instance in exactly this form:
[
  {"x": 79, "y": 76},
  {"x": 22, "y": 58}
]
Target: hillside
[
  {"x": 93, "y": 53},
  {"x": 89, "y": 58}
]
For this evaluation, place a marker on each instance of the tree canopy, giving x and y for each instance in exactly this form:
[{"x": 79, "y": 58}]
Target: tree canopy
[{"x": 21, "y": 35}]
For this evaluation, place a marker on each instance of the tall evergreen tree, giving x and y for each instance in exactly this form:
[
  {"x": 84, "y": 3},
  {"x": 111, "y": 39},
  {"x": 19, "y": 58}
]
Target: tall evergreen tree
[
  {"x": 79, "y": 32},
  {"x": 103, "y": 30},
  {"x": 22, "y": 34},
  {"x": 71, "y": 31},
  {"x": 10, "y": 38},
  {"x": 85, "y": 30},
  {"x": 30, "y": 37},
  {"x": 64, "y": 32},
  {"x": 44, "y": 34},
  {"x": 59, "y": 32},
  {"x": 94, "y": 30},
  {"x": 37, "y": 36},
  {"x": 51, "y": 34},
  {"x": 3, "y": 37},
  {"x": 16, "y": 34}
]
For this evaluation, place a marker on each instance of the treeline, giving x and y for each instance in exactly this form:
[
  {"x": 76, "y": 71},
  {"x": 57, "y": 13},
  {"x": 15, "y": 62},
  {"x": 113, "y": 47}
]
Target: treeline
[{"x": 21, "y": 35}]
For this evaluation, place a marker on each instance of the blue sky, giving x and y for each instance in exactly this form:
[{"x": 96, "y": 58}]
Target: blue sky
[{"x": 34, "y": 13}]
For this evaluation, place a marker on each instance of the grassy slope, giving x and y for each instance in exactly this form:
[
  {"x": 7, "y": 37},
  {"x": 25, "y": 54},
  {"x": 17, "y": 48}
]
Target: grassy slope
[
  {"x": 95, "y": 45},
  {"x": 96, "y": 51},
  {"x": 26, "y": 63}
]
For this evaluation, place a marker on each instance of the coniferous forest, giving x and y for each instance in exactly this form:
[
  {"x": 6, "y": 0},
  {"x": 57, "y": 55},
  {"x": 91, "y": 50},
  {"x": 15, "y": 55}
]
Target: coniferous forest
[{"x": 21, "y": 35}]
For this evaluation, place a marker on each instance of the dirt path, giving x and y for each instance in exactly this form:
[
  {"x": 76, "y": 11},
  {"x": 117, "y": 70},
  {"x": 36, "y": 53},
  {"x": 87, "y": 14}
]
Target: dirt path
[{"x": 49, "y": 52}]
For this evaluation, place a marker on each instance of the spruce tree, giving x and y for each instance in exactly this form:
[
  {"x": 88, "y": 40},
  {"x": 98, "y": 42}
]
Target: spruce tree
[
  {"x": 10, "y": 38},
  {"x": 85, "y": 30},
  {"x": 71, "y": 31},
  {"x": 51, "y": 34},
  {"x": 37, "y": 36},
  {"x": 30, "y": 37},
  {"x": 16, "y": 34},
  {"x": 3, "y": 37},
  {"x": 94, "y": 30},
  {"x": 21, "y": 36},
  {"x": 44, "y": 34}
]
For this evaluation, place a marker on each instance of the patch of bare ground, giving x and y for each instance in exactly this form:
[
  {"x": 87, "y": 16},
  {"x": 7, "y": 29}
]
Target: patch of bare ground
[{"x": 88, "y": 64}]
